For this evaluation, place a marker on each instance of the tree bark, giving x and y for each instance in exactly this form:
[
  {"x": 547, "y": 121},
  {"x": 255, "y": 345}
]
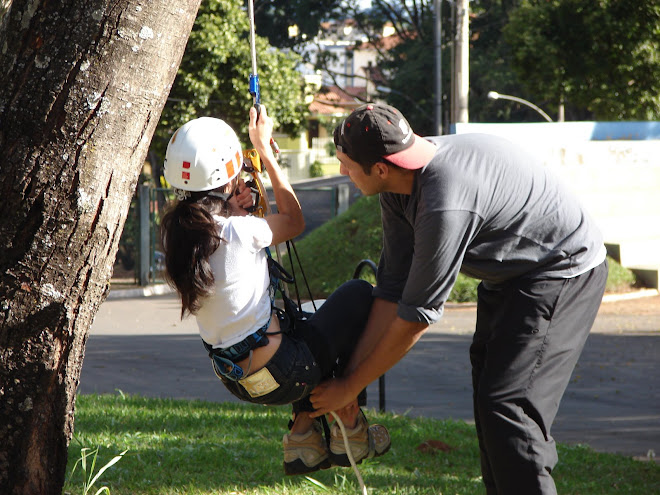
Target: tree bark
[{"x": 81, "y": 91}]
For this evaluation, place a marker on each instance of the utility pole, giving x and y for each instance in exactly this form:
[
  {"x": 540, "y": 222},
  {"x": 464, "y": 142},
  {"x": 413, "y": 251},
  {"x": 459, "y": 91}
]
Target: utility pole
[
  {"x": 461, "y": 73},
  {"x": 437, "y": 7}
]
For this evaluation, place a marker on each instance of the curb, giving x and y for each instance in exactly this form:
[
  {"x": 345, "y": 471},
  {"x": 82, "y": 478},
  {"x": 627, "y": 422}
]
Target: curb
[
  {"x": 626, "y": 296},
  {"x": 150, "y": 290},
  {"x": 162, "y": 289}
]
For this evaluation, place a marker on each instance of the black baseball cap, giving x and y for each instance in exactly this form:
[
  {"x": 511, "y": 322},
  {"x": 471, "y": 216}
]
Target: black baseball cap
[{"x": 376, "y": 131}]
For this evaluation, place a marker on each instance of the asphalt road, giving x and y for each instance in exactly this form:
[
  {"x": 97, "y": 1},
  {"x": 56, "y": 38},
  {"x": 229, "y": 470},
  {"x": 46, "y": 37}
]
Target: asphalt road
[{"x": 140, "y": 346}]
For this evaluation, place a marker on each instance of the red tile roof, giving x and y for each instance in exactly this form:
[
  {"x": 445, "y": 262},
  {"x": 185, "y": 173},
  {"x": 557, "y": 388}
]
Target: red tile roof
[{"x": 335, "y": 100}]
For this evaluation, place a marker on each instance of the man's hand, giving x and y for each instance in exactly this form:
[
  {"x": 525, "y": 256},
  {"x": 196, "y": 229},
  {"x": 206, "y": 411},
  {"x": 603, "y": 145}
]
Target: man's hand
[
  {"x": 386, "y": 349},
  {"x": 331, "y": 395}
]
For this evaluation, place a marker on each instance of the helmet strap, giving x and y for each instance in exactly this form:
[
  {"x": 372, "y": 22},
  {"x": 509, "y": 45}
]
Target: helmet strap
[{"x": 224, "y": 195}]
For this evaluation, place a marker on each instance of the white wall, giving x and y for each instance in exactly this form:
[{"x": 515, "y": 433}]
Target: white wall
[{"x": 617, "y": 178}]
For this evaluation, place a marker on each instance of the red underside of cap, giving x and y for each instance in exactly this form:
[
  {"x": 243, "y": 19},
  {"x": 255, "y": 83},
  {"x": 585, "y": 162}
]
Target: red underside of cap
[{"x": 415, "y": 157}]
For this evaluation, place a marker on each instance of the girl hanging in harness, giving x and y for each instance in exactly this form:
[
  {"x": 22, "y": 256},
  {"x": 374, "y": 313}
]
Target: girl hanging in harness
[{"x": 216, "y": 259}]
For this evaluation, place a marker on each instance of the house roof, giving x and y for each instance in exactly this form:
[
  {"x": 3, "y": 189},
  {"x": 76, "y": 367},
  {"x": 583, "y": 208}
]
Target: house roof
[
  {"x": 333, "y": 100},
  {"x": 384, "y": 43}
]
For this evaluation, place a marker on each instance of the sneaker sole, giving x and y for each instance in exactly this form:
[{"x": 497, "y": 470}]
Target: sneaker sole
[{"x": 299, "y": 467}]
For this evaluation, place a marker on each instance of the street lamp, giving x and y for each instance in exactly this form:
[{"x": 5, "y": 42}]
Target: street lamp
[{"x": 494, "y": 95}]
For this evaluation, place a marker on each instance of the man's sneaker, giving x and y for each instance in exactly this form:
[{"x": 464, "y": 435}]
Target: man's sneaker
[
  {"x": 365, "y": 442},
  {"x": 305, "y": 452}
]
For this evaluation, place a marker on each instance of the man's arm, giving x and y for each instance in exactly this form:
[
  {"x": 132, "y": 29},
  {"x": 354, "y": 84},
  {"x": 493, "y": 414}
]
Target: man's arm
[
  {"x": 393, "y": 339},
  {"x": 382, "y": 314}
]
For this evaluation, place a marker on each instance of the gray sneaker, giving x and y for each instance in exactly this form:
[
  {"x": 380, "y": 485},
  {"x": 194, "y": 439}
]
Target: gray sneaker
[
  {"x": 305, "y": 452},
  {"x": 365, "y": 442}
]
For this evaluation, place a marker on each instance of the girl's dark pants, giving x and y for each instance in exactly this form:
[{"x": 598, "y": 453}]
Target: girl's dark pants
[
  {"x": 529, "y": 335},
  {"x": 334, "y": 330},
  {"x": 316, "y": 349}
]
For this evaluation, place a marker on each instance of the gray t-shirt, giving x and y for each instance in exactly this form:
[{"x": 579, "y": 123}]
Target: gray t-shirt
[{"x": 487, "y": 208}]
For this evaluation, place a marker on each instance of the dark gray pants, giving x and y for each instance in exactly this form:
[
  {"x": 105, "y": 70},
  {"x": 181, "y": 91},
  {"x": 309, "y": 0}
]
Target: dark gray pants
[{"x": 528, "y": 338}]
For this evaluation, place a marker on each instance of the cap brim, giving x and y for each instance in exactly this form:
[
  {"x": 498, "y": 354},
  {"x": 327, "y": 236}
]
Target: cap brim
[{"x": 415, "y": 157}]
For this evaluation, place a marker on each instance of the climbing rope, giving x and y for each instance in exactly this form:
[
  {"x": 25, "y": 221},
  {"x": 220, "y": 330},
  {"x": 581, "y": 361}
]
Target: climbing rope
[{"x": 363, "y": 487}]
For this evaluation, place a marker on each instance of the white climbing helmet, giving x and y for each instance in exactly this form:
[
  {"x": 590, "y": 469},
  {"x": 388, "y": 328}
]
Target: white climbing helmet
[{"x": 203, "y": 154}]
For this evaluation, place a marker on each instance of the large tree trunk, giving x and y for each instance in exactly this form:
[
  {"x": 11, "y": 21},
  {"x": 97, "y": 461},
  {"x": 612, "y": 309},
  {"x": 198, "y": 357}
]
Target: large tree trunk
[{"x": 81, "y": 91}]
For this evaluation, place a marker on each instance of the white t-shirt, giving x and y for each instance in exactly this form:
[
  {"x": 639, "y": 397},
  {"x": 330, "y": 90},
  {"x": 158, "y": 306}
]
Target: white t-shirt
[{"x": 240, "y": 304}]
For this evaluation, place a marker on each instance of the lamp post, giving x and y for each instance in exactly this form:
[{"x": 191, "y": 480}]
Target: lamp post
[
  {"x": 494, "y": 95},
  {"x": 437, "y": 36}
]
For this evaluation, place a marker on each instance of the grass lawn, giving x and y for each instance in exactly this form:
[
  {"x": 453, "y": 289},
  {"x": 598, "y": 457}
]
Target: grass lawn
[{"x": 195, "y": 448}]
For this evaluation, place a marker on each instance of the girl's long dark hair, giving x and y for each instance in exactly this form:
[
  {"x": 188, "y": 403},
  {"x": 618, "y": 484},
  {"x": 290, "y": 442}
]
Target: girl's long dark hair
[{"x": 190, "y": 236}]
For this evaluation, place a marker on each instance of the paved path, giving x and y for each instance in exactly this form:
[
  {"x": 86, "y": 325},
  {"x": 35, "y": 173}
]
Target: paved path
[{"x": 612, "y": 403}]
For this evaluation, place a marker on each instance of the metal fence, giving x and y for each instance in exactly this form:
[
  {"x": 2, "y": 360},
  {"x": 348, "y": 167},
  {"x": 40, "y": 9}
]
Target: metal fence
[{"x": 321, "y": 199}]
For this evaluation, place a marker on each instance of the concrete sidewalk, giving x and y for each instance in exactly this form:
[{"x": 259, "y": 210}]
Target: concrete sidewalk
[{"x": 140, "y": 346}]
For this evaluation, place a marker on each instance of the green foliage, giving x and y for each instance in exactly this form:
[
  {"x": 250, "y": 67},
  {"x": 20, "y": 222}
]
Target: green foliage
[
  {"x": 409, "y": 65},
  {"x": 213, "y": 76},
  {"x": 274, "y": 17},
  {"x": 491, "y": 66},
  {"x": 619, "y": 279},
  {"x": 464, "y": 290},
  {"x": 412, "y": 72},
  {"x": 316, "y": 169},
  {"x": 331, "y": 252},
  {"x": 603, "y": 56},
  {"x": 89, "y": 478},
  {"x": 202, "y": 448}
]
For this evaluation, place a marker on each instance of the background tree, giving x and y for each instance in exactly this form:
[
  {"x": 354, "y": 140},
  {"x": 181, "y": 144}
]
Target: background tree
[
  {"x": 213, "y": 76},
  {"x": 409, "y": 63},
  {"x": 490, "y": 65},
  {"x": 274, "y": 17},
  {"x": 81, "y": 90},
  {"x": 602, "y": 57},
  {"x": 408, "y": 66}
]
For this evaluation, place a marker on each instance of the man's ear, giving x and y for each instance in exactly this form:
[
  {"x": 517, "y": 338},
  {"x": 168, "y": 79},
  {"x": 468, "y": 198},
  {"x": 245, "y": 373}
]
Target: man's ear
[{"x": 381, "y": 169}]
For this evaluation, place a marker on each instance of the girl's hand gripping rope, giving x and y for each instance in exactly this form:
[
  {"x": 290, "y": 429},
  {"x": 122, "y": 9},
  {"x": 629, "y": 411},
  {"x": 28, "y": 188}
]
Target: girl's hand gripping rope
[
  {"x": 261, "y": 130},
  {"x": 244, "y": 196},
  {"x": 273, "y": 143}
]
